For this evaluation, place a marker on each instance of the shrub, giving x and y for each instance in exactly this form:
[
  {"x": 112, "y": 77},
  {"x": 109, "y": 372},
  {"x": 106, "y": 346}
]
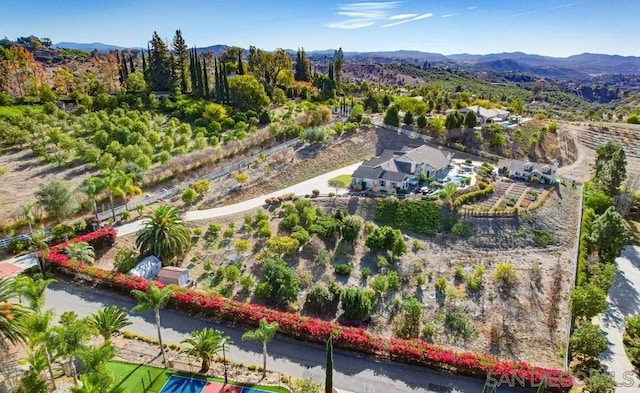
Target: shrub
[
  {"x": 386, "y": 238},
  {"x": 588, "y": 340},
  {"x": 394, "y": 280},
  {"x": 365, "y": 272},
  {"x": 356, "y": 304},
  {"x": 319, "y": 298},
  {"x": 323, "y": 258},
  {"x": 543, "y": 238},
  {"x": 474, "y": 279},
  {"x": 197, "y": 231},
  {"x": 17, "y": 245},
  {"x": 461, "y": 229},
  {"x": 315, "y": 193},
  {"x": 214, "y": 229},
  {"x": 189, "y": 195},
  {"x": 279, "y": 284},
  {"x": 420, "y": 280},
  {"x": 441, "y": 286},
  {"x": 124, "y": 260},
  {"x": 458, "y": 273},
  {"x": 231, "y": 273},
  {"x": 343, "y": 269},
  {"x": 417, "y": 245},
  {"x": 600, "y": 382},
  {"x": 506, "y": 274},
  {"x": 246, "y": 282},
  {"x": 415, "y": 215}
]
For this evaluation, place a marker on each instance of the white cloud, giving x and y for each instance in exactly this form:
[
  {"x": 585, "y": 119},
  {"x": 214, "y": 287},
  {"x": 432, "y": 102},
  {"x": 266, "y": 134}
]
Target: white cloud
[
  {"x": 362, "y": 14},
  {"x": 569, "y": 5},
  {"x": 419, "y": 17},
  {"x": 520, "y": 14},
  {"x": 350, "y": 24},
  {"x": 472, "y": 8},
  {"x": 402, "y": 16},
  {"x": 448, "y": 15}
]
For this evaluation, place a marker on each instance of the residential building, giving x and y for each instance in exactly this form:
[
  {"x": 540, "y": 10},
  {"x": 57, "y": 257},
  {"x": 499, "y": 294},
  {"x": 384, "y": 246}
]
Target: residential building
[
  {"x": 485, "y": 116},
  {"x": 400, "y": 169},
  {"x": 528, "y": 171}
]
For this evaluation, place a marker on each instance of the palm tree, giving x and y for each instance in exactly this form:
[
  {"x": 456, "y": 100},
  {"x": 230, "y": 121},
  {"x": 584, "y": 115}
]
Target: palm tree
[
  {"x": 70, "y": 337},
  {"x": 31, "y": 380},
  {"x": 38, "y": 328},
  {"x": 93, "y": 360},
  {"x": 92, "y": 187},
  {"x": 109, "y": 320},
  {"x": 82, "y": 252},
  {"x": 264, "y": 333},
  {"x": 153, "y": 299},
  {"x": 39, "y": 242},
  {"x": 27, "y": 212},
  {"x": 204, "y": 344},
  {"x": 11, "y": 314},
  {"x": 447, "y": 193},
  {"x": 33, "y": 292},
  {"x": 89, "y": 385},
  {"x": 112, "y": 180},
  {"x": 129, "y": 188},
  {"x": 164, "y": 234}
]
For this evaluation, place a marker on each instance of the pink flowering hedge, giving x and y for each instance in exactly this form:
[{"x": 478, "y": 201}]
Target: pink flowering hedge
[{"x": 414, "y": 351}]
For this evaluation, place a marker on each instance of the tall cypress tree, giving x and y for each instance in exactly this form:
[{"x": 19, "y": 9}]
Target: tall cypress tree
[
  {"x": 302, "y": 68},
  {"x": 225, "y": 83},
  {"x": 330, "y": 71},
  {"x": 338, "y": 61},
  {"x": 328, "y": 381},
  {"x": 132, "y": 69},
  {"x": 205, "y": 78},
  {"x": 181, "y": 60},
  {"x": 240, "y": 64},
  {"x": 144, "y": 62},
  {"x": 218, "y": 85},
  {"x": 121, "y": 72},
  {"x": 192, "y": 71}
]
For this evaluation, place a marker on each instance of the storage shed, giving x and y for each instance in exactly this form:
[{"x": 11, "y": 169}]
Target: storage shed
[{"x": 174, "y": 275}]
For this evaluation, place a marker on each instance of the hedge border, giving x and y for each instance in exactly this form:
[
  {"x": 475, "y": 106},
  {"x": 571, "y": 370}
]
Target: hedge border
[{"x": 412, "y": 351}]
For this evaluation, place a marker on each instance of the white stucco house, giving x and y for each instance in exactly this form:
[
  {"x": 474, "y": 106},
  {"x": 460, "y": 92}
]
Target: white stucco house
[
  {"x": 399, "y": 169},
  {"x": 529, "y": 171},
  {"x": 485, "y": 116}
]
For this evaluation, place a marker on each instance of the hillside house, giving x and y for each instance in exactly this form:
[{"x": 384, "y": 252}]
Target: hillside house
[
  {"x": 485, "y": 116},
  {"x": 400, "y": 169},
  {"x": 528, "y": 171}
]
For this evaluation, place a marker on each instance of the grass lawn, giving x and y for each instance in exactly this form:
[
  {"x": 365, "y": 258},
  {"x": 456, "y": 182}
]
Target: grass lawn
[
  {"x": 342, "y": 179},
  {"x": 137, "y": 378}
]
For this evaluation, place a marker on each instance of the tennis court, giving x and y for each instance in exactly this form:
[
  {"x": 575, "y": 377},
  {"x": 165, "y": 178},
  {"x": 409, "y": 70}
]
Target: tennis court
[
  {"x": 179, "y": 384},
  {"x": 138, "y": 378}
]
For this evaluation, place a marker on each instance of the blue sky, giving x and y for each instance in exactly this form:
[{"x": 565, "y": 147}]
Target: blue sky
[{"x": 546, "y": 27}]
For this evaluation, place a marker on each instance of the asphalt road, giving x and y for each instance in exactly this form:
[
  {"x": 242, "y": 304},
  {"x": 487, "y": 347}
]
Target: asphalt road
[{"x": 291, "y": 357}]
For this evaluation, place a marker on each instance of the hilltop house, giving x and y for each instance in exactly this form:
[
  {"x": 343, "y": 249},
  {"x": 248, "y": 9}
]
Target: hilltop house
[
  {"x": 398, "y": 169},
  {"x": 528, "y": 171},
  {"x": 485, "y": 116}
]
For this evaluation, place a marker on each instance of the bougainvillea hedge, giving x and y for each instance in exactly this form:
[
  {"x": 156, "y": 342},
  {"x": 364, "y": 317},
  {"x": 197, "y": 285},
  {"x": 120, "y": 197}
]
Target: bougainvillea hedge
[{"x": 414, "y": 351}]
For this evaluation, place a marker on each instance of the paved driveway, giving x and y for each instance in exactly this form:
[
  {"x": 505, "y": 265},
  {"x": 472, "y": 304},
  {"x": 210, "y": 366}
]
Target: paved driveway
[{"x": 624, "y": 300}]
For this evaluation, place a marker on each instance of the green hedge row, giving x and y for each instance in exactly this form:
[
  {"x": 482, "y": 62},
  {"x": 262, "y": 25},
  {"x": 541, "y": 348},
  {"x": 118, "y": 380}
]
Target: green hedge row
[{"x": 473, "y": 196}]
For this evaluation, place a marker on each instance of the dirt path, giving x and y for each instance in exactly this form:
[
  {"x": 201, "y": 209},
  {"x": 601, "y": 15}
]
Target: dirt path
[{"x": 580, "y": 169}]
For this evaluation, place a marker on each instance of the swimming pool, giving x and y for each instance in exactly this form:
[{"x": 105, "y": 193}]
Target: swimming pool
[{"x": 457, "y": 179}]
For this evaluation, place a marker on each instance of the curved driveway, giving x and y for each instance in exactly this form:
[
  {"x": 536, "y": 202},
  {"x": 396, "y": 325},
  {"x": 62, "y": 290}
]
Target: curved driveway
[{"x": 302, "y": 188}]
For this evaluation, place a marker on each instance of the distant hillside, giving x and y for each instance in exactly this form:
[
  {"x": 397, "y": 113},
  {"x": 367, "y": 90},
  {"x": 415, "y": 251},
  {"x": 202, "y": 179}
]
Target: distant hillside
[
  {"x": 577, "y": 67},
  {"x": 88, "y": 47}
]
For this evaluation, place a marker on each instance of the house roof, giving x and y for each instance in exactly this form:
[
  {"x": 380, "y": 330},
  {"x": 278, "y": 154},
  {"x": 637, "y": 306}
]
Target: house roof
[
  {"x": 396, "y": 165},
  {"x": 171, "y": 273},
  {"x": 519, "y": 166},
  {"x": 484, "y": 112}
]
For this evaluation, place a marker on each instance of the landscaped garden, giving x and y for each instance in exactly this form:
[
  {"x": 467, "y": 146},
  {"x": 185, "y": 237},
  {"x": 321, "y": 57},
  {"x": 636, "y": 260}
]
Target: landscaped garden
[{"x": 335, "y": 260}]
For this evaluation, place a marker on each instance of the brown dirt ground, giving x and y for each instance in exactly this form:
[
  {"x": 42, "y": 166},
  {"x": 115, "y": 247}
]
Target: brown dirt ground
[{"x": 519, "y": 324}]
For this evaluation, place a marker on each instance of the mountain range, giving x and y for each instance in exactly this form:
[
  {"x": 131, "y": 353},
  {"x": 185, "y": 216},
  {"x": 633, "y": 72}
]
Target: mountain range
[{"x": 576, "y": 67}]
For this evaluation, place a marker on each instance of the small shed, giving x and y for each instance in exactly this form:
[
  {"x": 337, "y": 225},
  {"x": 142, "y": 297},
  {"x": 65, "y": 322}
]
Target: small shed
[
  {"x": 147, "y": 268},
  {"x": 174, "y": 275}
]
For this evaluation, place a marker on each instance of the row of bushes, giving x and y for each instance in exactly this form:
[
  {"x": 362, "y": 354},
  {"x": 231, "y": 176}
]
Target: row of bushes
[
  {"x": 214, "y": 306},
  {"x": 473, "y": 196}
]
